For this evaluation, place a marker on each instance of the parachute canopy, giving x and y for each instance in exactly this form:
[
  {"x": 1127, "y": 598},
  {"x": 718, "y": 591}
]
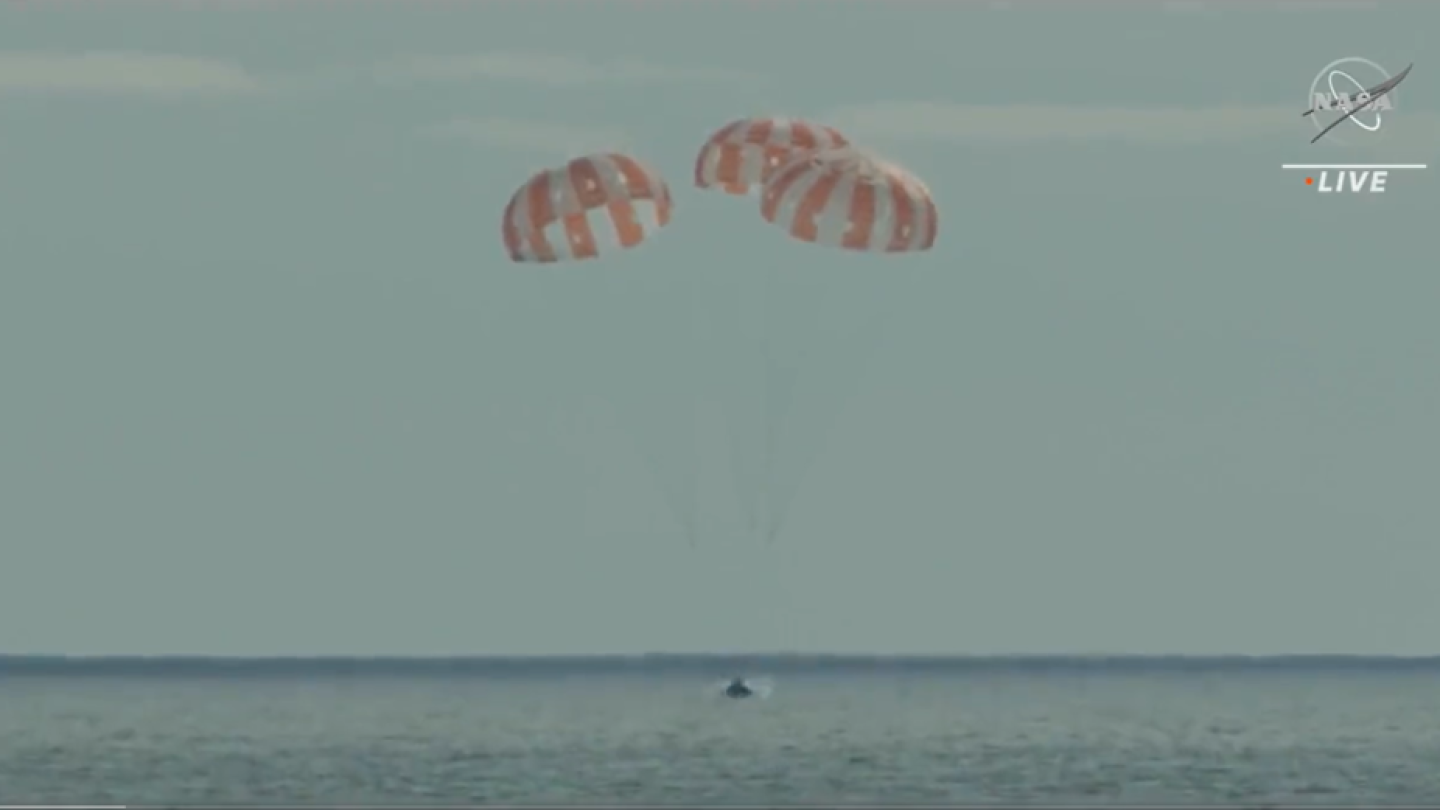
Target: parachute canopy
[
  {"x": 742, "y": 154},
  {"x": 853, "y": 199},
  {"x": 590, "y": 205}
]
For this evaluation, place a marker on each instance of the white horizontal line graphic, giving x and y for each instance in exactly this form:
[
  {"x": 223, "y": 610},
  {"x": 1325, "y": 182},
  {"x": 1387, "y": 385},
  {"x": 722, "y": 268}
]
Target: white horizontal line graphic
[{"x": 1356, "y": 166}]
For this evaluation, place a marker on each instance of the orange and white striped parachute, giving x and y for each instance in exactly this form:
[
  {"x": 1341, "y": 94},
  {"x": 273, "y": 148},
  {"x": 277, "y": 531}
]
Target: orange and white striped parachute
[
  {"x": 853, "y": 199},
  {"x": 741, "y": 155},
  {"x": 579, "y": 210}
]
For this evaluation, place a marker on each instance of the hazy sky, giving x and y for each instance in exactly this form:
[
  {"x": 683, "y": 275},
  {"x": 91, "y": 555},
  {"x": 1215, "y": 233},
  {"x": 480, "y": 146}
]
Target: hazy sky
[{"x": 268, "y": 383}]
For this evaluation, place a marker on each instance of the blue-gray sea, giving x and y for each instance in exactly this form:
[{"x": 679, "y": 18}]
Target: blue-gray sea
[{"x": 655, "y": 729}]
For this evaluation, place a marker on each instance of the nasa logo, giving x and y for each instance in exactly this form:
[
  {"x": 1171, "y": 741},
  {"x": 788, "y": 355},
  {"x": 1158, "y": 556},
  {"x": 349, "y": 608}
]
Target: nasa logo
[{"x": 1337, "y": 88}]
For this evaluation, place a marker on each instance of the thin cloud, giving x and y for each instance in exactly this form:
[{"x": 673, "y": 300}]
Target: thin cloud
[
  {"x": 1186, "y": 6},
  {"x": 1328, "y": 5},
  {"x": 552, "y": 70},
  {"x": 1206, "y": 6},
  {"x": 120, "y": 73},
  {"x": 532, "y": 136},
  {"x": 928, "y": 121}
]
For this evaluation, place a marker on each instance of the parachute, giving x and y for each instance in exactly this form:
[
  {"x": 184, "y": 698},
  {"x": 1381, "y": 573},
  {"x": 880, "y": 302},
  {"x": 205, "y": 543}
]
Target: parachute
[
  {"x": 594, "y": 206},
  {"x": 604, "y": 199},
  {"x": 813, "y": 185},
  {"x": 740, "y": 156},
  {"x": 851, "y": 199},
  {"x": 855, "y": 200},
  {"x": 736, "y": 160},
  {"x": 820, "y": 188}
]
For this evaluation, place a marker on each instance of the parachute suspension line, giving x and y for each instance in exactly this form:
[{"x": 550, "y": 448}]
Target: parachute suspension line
[
  {"x": 675, "y": 488},
  {"x": 780, "y": 387},
  {"x": 767, "y": 470},
  {"x": 688, "y": 485},
  {"x": 765, "y": 294},
  {"x": 857, "y": 346},
  {"x": 861, "y": 341},
  {"x": 772, "y": 414},
  {"x": 544, "y": 202},
  {"x": 738, "y": 455},
  {"x": 692, "y": 484},
  {"x": 753, "y": 332},
  {"x": 733, "y": 393},
  {"x": 553, "y": 302}
]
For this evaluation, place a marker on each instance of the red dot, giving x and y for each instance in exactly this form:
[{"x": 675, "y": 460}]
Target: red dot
[{"x": 1309, "y": 180}]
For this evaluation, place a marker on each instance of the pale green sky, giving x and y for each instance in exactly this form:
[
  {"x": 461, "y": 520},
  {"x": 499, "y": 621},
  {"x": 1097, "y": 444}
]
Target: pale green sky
[{"x": 268, "y": 383}]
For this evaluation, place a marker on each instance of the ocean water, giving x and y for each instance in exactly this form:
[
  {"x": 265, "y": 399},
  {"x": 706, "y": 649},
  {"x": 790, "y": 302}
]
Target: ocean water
[{"x": 654, "y": 730}]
